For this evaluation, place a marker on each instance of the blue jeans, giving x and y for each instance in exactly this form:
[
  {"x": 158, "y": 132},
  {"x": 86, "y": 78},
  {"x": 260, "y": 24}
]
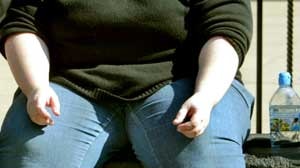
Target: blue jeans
[{"x": 87, "y": 134}]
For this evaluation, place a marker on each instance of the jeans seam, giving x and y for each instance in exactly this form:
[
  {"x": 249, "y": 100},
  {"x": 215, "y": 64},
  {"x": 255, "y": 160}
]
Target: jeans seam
[
  {"x": 135, "y": 118},
  {"x": 85, "y": 154},
  {"x": 96, "y": 137},
  {"x": 247, "y": 97}
]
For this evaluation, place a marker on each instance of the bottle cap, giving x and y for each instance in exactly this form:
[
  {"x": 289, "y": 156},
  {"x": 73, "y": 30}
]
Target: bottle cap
[{"x": 284, "y": 79}]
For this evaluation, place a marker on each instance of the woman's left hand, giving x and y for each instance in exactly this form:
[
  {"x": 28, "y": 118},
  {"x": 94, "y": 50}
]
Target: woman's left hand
[{"x": 193, "y": 116}]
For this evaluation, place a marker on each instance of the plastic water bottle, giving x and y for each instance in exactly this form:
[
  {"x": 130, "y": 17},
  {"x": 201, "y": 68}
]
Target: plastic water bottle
[{"x": 284, "y": 110}]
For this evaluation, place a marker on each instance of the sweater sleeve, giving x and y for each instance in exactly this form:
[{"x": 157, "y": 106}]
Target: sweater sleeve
[
  {"x": 231, "y": 19},
  {"x": 3, "y": 8},
  {"x": 19, "y": 18}
]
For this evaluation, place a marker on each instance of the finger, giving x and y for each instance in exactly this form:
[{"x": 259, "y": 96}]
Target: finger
[
  {"x": 193, "y": 133},
  {"x": 42, "y": 112},
  {"x": 181, "y": 115},
  {"x": 55, "y": 105},
  {"x": 44, "y": 116},
  {"x": 35, "y": 113},
  {"x": 194, "y": 121},
  {"x": 193, "y": 129},
  {"x": 187, "y": 126},
  {"x": 40, "y": 120},
  {"x": 36, "y": 119}
]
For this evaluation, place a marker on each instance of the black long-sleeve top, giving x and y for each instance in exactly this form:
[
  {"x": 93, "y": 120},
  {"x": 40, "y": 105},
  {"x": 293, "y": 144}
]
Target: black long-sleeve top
[{"x": 127, "y": 49}]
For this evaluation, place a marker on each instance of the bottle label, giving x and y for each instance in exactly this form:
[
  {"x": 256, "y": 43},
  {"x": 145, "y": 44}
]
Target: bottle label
[{"x": 285, "y": 123}]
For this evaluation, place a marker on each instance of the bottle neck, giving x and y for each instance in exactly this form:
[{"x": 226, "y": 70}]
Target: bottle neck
[{"x": 284, "y": 86}]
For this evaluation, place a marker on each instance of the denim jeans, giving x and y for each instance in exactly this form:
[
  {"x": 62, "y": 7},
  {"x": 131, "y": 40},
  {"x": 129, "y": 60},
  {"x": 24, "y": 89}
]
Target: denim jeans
[{"x": 88, "y": 133}]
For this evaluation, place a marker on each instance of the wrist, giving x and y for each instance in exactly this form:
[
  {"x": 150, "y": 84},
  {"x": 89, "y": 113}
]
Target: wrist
[
  {"x": 34, "y": 89},
  {"x": 208, "y": 98}
]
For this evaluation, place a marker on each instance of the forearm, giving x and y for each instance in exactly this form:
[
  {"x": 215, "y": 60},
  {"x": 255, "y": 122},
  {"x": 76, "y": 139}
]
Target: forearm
[
  {"x": 218, "y": 63},
  {"x": 27, "y": 56}
]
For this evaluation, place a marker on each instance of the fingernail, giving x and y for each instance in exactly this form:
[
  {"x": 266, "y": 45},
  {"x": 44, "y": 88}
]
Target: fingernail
[
  {"x": 57, "y": 113},
  {"x": 49, "y": 121}
]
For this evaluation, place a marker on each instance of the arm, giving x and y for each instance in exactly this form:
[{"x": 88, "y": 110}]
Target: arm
[
  {"x": 223, "y": 30},
  {"x": 218, "y": 62},
  {"x": 27, "y": 56}
]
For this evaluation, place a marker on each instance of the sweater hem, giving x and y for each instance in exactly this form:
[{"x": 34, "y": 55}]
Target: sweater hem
[{"x": 100, "y": 94}]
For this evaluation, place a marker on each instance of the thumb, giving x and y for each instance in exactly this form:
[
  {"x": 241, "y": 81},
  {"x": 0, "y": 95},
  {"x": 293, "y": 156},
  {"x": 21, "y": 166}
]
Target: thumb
[
  {"x": 54, "y": 104},
  {"x": 181, "y": 115}
]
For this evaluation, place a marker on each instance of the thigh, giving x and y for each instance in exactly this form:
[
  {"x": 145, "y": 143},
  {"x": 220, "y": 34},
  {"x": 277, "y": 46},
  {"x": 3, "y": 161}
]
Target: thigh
[
  {"x": 75, "y": 140},
  {"x": 158, "y": 144}
]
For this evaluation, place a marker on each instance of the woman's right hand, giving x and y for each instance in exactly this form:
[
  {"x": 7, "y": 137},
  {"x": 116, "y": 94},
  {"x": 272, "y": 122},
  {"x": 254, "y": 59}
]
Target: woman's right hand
[
  {"x": 38, "y": 101},
  {"x": 28, "y": 57}
]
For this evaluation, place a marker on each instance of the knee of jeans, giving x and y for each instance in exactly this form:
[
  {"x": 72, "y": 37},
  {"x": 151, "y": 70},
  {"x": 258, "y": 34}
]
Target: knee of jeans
[
  {"x": 14, "y": 131},
  {"x": 17, "y": 136},
  {"x": 14, "y": 144}
]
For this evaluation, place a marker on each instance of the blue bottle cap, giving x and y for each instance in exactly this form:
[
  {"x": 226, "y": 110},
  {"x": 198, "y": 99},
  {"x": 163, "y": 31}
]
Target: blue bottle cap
[{"x": 284, "y": 79}]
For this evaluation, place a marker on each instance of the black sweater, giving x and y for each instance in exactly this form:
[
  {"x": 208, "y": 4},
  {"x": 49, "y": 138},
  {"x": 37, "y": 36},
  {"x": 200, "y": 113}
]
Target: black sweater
[{"x": 127, "y": 49}]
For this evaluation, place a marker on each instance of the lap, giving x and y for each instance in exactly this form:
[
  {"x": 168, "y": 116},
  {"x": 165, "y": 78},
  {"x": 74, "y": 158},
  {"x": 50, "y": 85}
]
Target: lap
[
  {"x": 87, "y": 132},
  {"x": 151, "y": 129},
  {"x": 77, "y": 138}
]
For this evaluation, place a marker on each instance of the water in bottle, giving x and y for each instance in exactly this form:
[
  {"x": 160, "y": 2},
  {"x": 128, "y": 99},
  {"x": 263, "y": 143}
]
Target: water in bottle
[{"x": 284, "y": 110}]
